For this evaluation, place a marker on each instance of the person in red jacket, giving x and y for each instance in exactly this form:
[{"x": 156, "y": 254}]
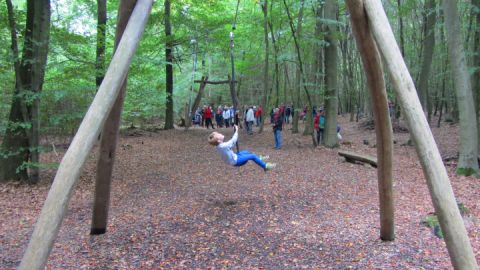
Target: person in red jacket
[
  {"x": 208, "y": 114},
  {"x": 258, "y": 115}
]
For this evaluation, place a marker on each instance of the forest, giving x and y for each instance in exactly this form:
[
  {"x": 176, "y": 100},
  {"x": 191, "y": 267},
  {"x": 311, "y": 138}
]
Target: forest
[{"x": 98, "y": 118}]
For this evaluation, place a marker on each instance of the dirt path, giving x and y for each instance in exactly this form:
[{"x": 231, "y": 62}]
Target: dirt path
[{"x": 176, "y": 206}]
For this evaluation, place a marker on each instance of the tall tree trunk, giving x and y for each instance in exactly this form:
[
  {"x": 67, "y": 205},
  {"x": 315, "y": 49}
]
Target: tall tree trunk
[
  {"x": 101, "y": 39},
  {"x": 319, "y": 49},
  {"x": 476, "y": 64},
  {"x": 40, "y": 38},
  {"x": 16, "y": 139},
  {"x": 277, "y": 69},
  {"x": 168, "y": 68},
  {"x": 331, "y": 80},
  {"x": 428, "y": 48},
  {"x": 298, "y": 80},
  {"x": 266, "y": 68},
  {"x": 110, "y": 133},
  {"x": 467, "y": 161},
  {"x": 301, "y": 69},
  {"x": 400, "y": 25},
  {"x": 308, "y": 128},
  {"x": 351, "y": 78},
  {"x": 21, "y": 144},
  {"x": 402, "y": 50}
]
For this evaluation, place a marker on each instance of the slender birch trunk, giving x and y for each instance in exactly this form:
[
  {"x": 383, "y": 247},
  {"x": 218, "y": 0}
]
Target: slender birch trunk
[{"x": 468, "y": 153}]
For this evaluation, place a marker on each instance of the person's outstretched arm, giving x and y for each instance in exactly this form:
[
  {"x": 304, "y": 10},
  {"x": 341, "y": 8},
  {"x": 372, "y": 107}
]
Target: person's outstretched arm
[{"x": 234, "y": 138}]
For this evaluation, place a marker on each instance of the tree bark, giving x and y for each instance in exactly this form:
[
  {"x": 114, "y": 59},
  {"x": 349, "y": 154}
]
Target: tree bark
[
  {"x": 168, "y": 68},
  {"x": 319, "y": 69},
  {"x": 443, "y": 199},
  {"x": 21, "y": 144},
  {"x": 101, "y": 40},
  {"x": 264, "y": 103},
  {"x": 428, "y": 48},
  {"x": 56, "y": 204},
  {"x": 400, "y": 25},
  {"x": 331, "y": 79},
  {"x": 298, "y": 75},
  {"x": 16, "y": 141},
  {"x": 308, "y": 128},
  {"x": 476, "y": 64},
  {"x": 383, "y": 127},
  {"x": 277, "y": 68},
  {"x": 301, "y": 69},
  {"x": 467, "y": 160},
  {"x": 109, "y": 138}
]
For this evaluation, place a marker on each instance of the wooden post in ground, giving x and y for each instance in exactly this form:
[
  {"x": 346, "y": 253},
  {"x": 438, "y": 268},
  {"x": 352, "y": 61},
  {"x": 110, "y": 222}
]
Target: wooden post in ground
[
  {"x": 451, "y": 222},
  {"x": 56, "y": 204},
  {"x": 196, "y": 102},
  {"x": 374, "y": 72},
  {"x": 109, "y": 138}
]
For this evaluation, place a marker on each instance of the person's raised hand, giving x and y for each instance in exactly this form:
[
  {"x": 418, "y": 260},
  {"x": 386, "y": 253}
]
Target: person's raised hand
[{"x": 235, "y": 127}]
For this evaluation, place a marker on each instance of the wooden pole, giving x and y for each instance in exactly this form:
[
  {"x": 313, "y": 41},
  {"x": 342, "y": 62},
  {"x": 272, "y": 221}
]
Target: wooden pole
[
  {"x": 109, "y": 138},
  {"x": 383, "y": 127},
  {"x": 451, "y": 222},
  {"x": 196, "y": 102},
  {"x": 56, "y": 204}
]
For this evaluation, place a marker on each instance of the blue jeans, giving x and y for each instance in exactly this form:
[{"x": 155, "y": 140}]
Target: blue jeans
[
  {"x": 244, "y": 156},
  {"x": 249, "y": 125},
  {"x": 278, "y": 138}
]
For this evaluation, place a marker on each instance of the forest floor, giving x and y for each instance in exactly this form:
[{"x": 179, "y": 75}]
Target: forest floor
[{"x": 175, "y": 205}]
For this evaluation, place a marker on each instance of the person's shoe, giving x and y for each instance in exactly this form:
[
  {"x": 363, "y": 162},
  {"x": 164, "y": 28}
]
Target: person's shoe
[
  {"x": 264, "y": 157},
  {"x": 270, "y": 166}
]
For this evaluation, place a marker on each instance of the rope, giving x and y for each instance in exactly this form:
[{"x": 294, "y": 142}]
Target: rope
[{"x": 234, "y": 26}]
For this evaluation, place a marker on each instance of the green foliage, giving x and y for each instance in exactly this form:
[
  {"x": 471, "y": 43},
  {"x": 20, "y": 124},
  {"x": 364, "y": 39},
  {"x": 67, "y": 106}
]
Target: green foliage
[
  {"x": 464, "y": 211},
  {"x": 69, "y": 86},
  {"x": 431, "y": 221},
  {"x": 466, "y": 171},
  {"x": 28, "y": 165}
]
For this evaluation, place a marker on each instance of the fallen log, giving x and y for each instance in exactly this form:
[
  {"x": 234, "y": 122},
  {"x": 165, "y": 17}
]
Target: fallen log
[{"x": 352, "y": 157}]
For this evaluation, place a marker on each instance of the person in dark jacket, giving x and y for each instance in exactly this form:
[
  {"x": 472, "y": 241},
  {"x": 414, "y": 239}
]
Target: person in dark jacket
[{"x": 277, "y": 127}]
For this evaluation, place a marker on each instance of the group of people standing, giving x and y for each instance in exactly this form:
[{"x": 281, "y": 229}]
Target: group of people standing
[
  {"x": 227, "y": 116},
  {"x": 223, "y": 115},
  {"x": 252, "y": 115}
]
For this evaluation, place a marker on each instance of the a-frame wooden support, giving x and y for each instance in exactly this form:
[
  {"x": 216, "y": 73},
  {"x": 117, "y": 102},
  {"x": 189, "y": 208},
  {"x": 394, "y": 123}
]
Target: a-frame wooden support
[
  {"x": 56, "y": 204},
  {"x": 441, "y": 192}
]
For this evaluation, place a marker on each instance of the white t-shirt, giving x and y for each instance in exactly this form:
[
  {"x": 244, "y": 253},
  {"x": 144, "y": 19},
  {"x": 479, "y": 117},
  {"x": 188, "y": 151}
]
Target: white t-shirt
[
  {"x": 250, "y": 115},
  {"x": 225, "y": 150}
]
